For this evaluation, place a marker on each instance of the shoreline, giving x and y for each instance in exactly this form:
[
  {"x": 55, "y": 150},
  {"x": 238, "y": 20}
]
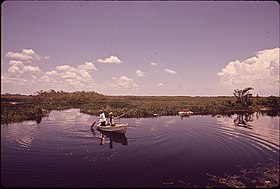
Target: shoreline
[{"x": 17, "y": 108}]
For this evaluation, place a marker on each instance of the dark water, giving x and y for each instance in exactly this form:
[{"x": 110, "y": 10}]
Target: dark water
[{"x": 168, "y": 151}]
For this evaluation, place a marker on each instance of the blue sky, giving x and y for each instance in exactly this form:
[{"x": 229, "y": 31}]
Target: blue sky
[{"x": 140, "y": 48}]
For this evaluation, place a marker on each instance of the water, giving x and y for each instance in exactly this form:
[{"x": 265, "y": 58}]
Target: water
[{"x": 168, "y": 151}]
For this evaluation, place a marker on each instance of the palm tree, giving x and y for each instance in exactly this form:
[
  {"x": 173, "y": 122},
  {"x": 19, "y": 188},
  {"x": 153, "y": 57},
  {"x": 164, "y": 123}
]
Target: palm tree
[{"x": 243, "y": 96}]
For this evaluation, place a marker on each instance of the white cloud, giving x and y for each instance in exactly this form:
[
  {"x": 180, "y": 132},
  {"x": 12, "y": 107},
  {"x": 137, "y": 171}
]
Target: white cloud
[
  {"x": 69, "y": 75},
  {"x": 18, "y": 69},
  {"x": 76, "y": 77},
  {"x": 126, "y": 82},
  {"x": 123, "y": 82},
  {"x": 110, "y": 60},
  {"x": 261, "y": 72},
  {"x": 15, "y": 69},
  {"x": 160, "y": 85},
  {"x": 63, "y": 77},
  {"x": 20, "y": 77},
  {"x": 65, "y": 68},
  {"x": 87, "y": 66},
  {"x": 139, "y": 73},
  {"x": 170, "y": 71},
  {"x": 16, "y": 63},
  {"x": 154, "y": 64},
  {"x": 28, "y": 55},
  {"x": 50, "y": 73},
  {"x": 31, "y": 68}
]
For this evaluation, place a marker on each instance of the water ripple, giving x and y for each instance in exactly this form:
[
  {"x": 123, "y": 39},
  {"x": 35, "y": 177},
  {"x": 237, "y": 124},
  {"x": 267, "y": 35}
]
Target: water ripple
[{"x": 63, "y": 151}]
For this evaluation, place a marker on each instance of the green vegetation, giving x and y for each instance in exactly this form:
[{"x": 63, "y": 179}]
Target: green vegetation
[
  {"x": 243, "y": 97},
  {"x": 17, "y": 112},
  {"x": 15, "y": 107}
]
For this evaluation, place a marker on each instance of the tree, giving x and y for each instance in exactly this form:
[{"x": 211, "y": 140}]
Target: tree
[{"x": 243, "y": 97}]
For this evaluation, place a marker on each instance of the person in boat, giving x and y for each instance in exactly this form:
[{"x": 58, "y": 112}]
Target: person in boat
[
  {"x": 102, "y": 118},
  {"x": 111, "y": 117}
]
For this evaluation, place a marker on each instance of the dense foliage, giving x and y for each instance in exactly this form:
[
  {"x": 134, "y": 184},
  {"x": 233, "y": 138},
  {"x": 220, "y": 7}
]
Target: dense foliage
[{"x": 15, "y": 107}]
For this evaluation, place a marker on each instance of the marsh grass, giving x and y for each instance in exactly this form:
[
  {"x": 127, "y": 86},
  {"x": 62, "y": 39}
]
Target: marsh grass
[
  {"x": 132, "y": 106},
  {"x": 261, "y": 176}
]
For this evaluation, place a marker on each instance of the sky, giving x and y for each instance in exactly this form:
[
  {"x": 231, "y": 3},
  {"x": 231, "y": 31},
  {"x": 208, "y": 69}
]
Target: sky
[{"x": 184, "y": 48}]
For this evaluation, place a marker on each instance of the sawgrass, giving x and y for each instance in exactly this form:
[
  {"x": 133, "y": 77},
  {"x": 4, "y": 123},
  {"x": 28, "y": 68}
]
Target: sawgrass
[{"x": 26, "y": 106}]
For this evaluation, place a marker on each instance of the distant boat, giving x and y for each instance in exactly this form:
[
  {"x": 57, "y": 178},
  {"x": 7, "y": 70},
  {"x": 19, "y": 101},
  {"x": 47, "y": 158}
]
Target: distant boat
[
  {"x": 118, "y": 128},
  {"x": 187, "y": 113}
]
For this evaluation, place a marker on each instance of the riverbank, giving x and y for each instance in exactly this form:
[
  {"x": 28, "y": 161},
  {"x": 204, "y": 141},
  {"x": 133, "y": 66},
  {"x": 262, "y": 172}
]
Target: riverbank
[{"x": 16, "y": 108}]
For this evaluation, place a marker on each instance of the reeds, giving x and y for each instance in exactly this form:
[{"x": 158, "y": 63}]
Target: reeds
[
  {"x": 131, "y": 106},
  {"x": 261, "y": 176}
]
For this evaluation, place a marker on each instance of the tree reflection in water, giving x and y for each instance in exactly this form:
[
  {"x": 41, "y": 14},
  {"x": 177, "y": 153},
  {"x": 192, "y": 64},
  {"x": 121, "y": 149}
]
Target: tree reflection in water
[{"x": 242, "y": 120}]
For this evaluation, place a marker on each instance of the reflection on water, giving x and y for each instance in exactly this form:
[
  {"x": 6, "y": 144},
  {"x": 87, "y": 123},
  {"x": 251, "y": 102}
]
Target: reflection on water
[
  {"x": 112, "y": 137},
  {"x": 263, "y": 133},
  {"x": 70, "y": 115},
  {"x": 63, "y": 150},
  {"x": 21, "y": 133},
  {"x": 243, "y": 120}
]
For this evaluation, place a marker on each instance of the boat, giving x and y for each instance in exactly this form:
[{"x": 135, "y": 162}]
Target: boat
[
  {"x": 187, "y": 113},
  {"x": 117, "y": 127}
]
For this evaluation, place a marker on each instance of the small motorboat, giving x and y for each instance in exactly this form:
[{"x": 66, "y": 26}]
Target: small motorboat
[
  {"x": 117, "y": 127},
  {"x": 187, "y": 113}
]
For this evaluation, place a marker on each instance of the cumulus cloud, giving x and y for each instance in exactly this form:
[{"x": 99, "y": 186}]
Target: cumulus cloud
[
  {"x": 28, "y": 78},
  {"x": 20, "y": 75},
  {"x": 87, "y": 66},
  {"x": 18, "y": 69},
  {"x": 80, "y": 76},
  {"x": 28, "y": 55},
  {"x": 123, "y": 82},
  {"x": 154, "y": 64},
  {"x": 63, "y": 77},
  {"x": 110, "y": 60},
  {"x": 160, "y": 85},
  {"x": 261, "y": 72},
  {"x": 170, "y": 71},
  {"x": 65, "y": 68},
  {"x": 139, "y": 73},
  {"x": 31, "y": 68}
]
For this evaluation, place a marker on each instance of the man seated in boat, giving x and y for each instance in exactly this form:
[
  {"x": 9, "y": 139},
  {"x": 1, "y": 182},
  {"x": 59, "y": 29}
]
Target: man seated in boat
[
  {"x": 102, "y": 118},
  {"x": 111, "y": 117}
]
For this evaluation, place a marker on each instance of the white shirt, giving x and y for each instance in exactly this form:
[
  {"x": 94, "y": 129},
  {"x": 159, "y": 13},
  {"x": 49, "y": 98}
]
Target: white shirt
[{"x": 102, "y": 117}]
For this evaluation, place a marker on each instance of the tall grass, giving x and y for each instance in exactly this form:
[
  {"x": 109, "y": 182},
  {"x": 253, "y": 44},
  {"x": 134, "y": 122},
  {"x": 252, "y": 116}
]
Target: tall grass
[{"x": 131, "y": 106}]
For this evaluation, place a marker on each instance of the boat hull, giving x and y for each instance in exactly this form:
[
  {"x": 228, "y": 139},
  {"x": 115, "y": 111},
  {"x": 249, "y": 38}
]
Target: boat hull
[
  {"x": 188, "y": 113},
  {"x": 118, "y": 128}
]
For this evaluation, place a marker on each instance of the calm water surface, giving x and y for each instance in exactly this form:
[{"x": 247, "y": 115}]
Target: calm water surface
[{"x": 62, "y": 151}]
